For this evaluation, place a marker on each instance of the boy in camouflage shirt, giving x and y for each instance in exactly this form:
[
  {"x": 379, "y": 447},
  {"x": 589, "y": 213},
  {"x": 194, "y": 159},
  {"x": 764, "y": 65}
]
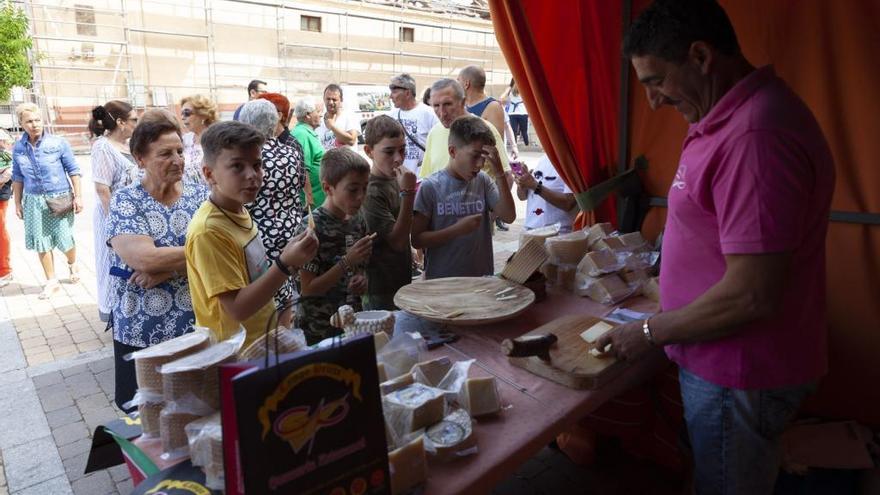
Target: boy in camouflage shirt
[{"x": 336, "y": 275}]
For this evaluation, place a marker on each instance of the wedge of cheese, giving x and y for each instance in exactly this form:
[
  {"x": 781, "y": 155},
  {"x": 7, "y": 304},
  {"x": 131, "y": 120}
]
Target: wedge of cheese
[
  {"x": 599, "y": 231},
  {"x": 634, "y": 241},
  {"x": 592, "y": 334},
  {"x": 414, "y": 407},
  {"x": 597, "y": 263},
  {"x": 380, "y": 339},
  {"x": 407, "y": 466},
  {"x": 479, "y": 396},
  {"x": 394, "y": 384},
  {"x": 430, "y": 373},
  {"x": 613, "y": 243},
  {"x": 610, "y": 289}
]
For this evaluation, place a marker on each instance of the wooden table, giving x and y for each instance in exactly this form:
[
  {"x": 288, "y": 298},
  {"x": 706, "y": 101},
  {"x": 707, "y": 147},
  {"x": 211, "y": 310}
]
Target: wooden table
[{"x": 540, "y": 409}]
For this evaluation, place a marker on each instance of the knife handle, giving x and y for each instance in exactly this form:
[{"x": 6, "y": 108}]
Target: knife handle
[{"x": 530, "y": 345}]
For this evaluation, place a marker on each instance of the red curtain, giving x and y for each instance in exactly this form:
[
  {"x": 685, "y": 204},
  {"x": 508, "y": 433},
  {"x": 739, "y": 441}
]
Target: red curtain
[{"x": 566, "y": 60}]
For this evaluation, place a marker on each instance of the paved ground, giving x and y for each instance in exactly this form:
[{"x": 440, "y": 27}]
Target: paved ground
[{"x": 56, "y": 386}]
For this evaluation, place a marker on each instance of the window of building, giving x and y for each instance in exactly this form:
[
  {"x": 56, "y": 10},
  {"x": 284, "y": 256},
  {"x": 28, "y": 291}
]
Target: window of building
[
  {"x": 85, "y": 20},
  {"x": 88, "y": 51},
  {"x": 407, "y": 35},
  {"x": 310, "y": 23}
]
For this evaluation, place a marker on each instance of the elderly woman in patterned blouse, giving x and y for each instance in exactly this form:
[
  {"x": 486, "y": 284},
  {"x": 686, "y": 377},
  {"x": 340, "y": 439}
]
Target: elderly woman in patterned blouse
[
  {"x": 278, "y": 209},
  {"x": 147, "y": 231},
  {"x": 197, "y": 113}
]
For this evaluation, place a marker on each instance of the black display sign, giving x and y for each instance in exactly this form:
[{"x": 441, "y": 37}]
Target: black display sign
[
  {"x": 179, "y": 479},
  {"x": 313, "y": 424}
]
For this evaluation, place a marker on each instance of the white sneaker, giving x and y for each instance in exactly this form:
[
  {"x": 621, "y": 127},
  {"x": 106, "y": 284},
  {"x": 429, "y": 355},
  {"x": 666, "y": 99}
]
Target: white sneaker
[
  {"x": 6, "y": 280},
  {"x": 50, "y": 289}
]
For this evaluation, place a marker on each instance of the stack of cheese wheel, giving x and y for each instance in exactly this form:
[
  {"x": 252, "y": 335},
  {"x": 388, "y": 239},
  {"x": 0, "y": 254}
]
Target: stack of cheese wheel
[
  {"x": 173, "y": 433},
  {"x": 568, "y": 249},
  {"x": 197, "y": 375},
  {"x": 147, "y": 363}
]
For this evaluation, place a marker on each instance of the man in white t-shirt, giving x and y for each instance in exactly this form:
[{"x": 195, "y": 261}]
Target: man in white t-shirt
[
  {"x": 339, "y": 128},
  {"x": 416, "y": 118},
  {"x": 549, "y": 199}
]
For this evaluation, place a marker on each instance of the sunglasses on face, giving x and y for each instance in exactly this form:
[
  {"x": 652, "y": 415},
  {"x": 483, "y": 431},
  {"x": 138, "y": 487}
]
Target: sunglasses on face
[{"x": 186, "y": 112}]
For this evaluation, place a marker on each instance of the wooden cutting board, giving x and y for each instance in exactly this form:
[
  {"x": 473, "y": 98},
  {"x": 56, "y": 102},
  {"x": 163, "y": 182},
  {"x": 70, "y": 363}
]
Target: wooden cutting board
[
  {"x": 571, "y": 364},
  {"x": 464, "y": 300}
]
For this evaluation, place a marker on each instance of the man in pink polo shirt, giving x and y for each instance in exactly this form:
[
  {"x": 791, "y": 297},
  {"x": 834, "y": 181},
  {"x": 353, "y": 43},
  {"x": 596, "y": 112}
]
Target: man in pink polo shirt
[{"x": 742, "y": 276}]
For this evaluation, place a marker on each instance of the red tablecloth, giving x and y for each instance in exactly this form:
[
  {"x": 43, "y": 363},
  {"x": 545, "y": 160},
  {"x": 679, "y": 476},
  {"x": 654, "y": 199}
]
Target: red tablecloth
[{"x": 540, "y": 410}]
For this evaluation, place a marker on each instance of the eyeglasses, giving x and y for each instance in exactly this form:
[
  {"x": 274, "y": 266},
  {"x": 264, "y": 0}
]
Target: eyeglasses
[{"x": 186, "y": 112}]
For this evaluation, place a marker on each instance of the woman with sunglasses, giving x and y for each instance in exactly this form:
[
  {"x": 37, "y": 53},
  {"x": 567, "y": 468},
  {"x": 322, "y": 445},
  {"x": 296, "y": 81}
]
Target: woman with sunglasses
[
  {"x": 197, "y": 113},
  {"x": 113, "y": 168}
]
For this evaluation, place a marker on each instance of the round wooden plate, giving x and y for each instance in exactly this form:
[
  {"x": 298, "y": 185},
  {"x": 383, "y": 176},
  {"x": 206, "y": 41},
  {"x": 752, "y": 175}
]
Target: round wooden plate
[{"x": 464, "y": 300}]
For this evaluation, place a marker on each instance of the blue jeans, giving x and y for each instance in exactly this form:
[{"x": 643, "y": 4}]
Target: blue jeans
[{"x": 735, "y": 434}]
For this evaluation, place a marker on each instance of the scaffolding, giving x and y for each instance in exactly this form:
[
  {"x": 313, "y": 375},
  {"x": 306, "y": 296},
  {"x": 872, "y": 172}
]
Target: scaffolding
[{"x": 153, "y": 52}]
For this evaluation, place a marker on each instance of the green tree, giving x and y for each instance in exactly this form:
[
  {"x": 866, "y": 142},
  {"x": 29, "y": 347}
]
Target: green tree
[{"x": 15, "y": 68}]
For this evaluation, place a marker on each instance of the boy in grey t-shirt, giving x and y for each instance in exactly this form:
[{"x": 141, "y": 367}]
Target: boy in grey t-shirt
[{"x": 452, "y": 206}]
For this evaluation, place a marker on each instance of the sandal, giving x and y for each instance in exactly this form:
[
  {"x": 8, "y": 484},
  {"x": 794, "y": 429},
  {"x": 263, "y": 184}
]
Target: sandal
[
  {"x": 50, "y": 289},
  {"x": 74, "y": 272}
]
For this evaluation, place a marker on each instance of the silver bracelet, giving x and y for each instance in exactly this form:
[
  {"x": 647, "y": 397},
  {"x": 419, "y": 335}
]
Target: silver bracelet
[{"x": 647, "y": 331}]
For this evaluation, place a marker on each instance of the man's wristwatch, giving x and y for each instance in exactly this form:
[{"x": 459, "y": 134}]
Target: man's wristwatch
[
  {"x": 647, "y": 331},
  {"x": 539, "y": 188},
  {"x": 284, "y": 268}
]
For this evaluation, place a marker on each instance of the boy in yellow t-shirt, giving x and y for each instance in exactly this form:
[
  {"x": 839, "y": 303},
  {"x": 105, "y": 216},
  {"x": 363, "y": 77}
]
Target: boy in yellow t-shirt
[{"x": 231, "y": 280}]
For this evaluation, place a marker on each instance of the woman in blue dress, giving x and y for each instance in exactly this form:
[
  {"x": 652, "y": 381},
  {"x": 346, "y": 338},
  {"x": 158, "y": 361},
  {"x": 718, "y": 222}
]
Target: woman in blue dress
[
  {"x": 46, "y": 186},
  {"x": 147, "y": 231}
]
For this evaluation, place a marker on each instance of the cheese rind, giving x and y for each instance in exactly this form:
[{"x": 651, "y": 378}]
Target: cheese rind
[
  {"x": 592, "y": 334},
  {"x": 451, "y": 437},
  {"x": 407, "y": 466},
  {"x": 479, "y": 396}
]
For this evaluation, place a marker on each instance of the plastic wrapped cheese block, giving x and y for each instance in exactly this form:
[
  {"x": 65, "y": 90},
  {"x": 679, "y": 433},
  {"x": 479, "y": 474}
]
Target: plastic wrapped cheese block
[
  {"x": 542, "y": 234},
  {"x": 148, "y": 361},
  {"x": 634, "y": 241},
  {"x": 431, "y": 372},
  {"x": 613, "y": 243},
  {"x": 651, "y": 289},
  {"x": 380, "y": 339},
  {"x": 599, "y": 263},
  {"x": 635, "y": 277},
  {"x": 414, "y": 407},
  {"x": 407, "y": 466},
  {"x": 610, "y": 289},
  {"x": 402, "y": 381},
  {"x": 598, "y": 231},
  {"x": 479, "y": 396},
  {"x": 451, "y": 438}
]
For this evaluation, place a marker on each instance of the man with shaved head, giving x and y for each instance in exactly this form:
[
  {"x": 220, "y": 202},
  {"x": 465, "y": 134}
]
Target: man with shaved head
[{"x": 473, "y": 81}]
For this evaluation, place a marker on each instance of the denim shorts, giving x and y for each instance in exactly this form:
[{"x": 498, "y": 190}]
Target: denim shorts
[{"x": 735, "y": 434}]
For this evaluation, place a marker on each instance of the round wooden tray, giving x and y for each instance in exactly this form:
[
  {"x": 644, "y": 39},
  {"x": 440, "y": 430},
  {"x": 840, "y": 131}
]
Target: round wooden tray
[{"x": 441, "y": 300}]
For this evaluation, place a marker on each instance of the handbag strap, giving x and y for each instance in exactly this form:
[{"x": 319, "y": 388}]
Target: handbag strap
[{"x": 408, "y": 135}]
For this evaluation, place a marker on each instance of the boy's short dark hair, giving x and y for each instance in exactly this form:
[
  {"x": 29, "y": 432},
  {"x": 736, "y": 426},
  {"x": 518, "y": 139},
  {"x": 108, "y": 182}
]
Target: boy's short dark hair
[
  {"x": 667, "y": 28},
  {"x": 228, "y": 135},
  {"x": 339, "y": 162},
  {"x": 468, "y": 129},
  {"x": 381, "y": 127}
]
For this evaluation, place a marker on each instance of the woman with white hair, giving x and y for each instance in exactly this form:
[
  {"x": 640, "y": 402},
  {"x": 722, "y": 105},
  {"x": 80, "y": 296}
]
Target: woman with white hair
[
  {"x": 309, "y": 114},
  {"x": 278, "y": 208},
  {"x": 46, "y": 186}
]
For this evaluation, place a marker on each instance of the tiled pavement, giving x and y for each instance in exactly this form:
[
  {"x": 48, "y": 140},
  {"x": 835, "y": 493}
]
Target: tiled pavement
[{"x": 56, "y": 385}]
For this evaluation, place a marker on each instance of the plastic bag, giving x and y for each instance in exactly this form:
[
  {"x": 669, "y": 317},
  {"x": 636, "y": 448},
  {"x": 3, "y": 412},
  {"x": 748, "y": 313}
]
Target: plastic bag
[
  {"x": 451, "y": 438},
  {"x": 609, "y": 289},
  {"x": 568, "y": 249},
  {"x": 173, "y": 420},
  {"x": 401, "y": 353},
  {"x": 205, "y": 439},
  {"x": 456, "y": 376},
  {"x": 150, "y": 404}
]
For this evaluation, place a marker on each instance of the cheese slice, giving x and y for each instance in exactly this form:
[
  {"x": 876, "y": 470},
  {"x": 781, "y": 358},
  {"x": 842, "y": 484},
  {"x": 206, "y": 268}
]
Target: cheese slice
[
  {"x": 479, "y": 396},
  {"x": 407, "y": 466},
  {"x": 432, "y": 372},
  {"x": 592, "y": 334},
  {"x": 601, "y": 355},
  {"x": 414, "y": 407}
]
